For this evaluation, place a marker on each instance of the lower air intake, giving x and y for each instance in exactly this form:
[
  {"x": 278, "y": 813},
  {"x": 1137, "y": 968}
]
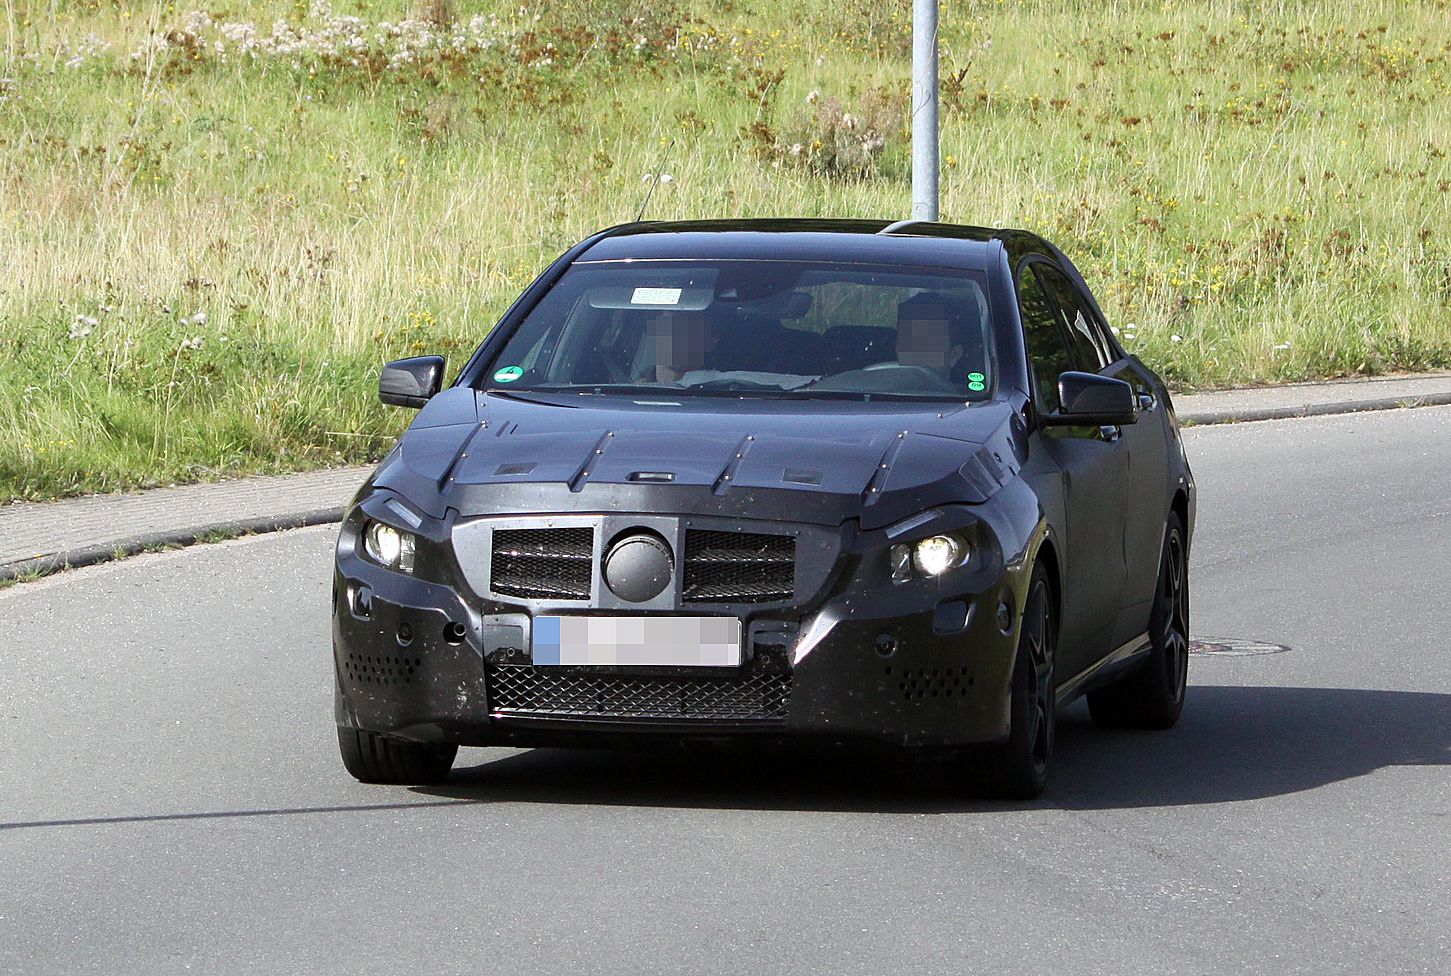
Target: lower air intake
[{"x": 551, "y": 692}]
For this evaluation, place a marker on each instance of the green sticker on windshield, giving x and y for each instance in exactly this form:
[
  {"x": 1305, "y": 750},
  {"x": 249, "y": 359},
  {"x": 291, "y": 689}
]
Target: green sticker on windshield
[
  {"x": 976, "y": 387},
  {"x": 975, "y": 378},
  {"x": 508, "y": 374}
]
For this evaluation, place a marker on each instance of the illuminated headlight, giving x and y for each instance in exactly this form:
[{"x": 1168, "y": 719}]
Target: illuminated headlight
[
  {"x": 932, "y": 556},
  {"x": 389, "y": 546},
  {"x": 937, "y": 554}
]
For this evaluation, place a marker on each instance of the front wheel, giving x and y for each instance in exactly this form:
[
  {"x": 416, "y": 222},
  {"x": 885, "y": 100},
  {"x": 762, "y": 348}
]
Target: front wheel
[
  {"x": 374, "y": 758},
  {"x": 1018, "y": 768},
  {"x": 1152, "y": 695}
]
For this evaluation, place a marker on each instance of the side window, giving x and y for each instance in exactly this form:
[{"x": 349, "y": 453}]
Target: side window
[
  {"x": 1091, "y": 352},
  {"x": 1048, "y": 354}
]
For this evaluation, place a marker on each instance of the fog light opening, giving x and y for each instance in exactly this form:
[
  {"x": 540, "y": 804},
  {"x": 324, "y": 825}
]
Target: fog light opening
[
  {"x": 405, "y": 634},
  {"x": 453, "y": 632},
  {"x": 1005, "y": 617},
  {"x": 886, "y": 644}
]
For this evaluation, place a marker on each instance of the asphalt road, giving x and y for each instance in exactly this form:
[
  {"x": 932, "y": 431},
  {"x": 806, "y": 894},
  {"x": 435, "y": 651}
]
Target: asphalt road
[{"x": 171, "y": 798}]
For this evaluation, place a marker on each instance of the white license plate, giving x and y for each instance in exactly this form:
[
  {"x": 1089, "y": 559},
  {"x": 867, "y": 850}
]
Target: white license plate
[{"x": 703, "y": 642}]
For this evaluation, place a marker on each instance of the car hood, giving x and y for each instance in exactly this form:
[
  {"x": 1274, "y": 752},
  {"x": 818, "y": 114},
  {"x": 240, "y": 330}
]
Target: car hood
[{"x": 817, "y": 461}]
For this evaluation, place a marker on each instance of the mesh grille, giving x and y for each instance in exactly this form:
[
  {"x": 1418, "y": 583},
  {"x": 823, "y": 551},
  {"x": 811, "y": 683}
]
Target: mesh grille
[
  {"x": 738, "y": 567},
  {"x": 543, "y": 564},
  {"x": 524, "y": 690}
]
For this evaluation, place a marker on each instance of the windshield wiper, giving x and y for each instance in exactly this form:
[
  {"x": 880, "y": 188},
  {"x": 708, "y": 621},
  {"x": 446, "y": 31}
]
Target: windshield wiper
[
  {"x": 737, "y": 386},
  {"x": 602, "y": 388},
  {"x": 868, "y": 396}
]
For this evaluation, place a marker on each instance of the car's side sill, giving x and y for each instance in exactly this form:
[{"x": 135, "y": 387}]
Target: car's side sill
[{"x": 1125, "y": 654}]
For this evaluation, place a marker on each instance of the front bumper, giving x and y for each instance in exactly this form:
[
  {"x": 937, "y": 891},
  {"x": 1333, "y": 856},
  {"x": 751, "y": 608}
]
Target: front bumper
[{"x": 918, "y": 664}]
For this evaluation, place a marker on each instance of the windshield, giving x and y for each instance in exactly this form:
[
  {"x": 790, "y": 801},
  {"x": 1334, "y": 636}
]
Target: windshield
[{"x": 766, "y": 328}]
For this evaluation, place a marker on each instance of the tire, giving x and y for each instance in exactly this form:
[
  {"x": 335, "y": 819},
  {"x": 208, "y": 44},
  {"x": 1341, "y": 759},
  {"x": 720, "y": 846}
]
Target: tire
[
  {"x": 374, "y": 758},
  {"x": 1018, "y": 768},
  {"x": 1152, "y": 695}
]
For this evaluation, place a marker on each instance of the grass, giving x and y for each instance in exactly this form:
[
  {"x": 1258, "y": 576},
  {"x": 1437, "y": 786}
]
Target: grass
[{"x": 206, "y": 252}]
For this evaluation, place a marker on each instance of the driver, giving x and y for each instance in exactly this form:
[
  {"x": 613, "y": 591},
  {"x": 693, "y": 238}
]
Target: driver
[
  {"x": 926, "y": 337},
  {"x": 682, "y": 340}
]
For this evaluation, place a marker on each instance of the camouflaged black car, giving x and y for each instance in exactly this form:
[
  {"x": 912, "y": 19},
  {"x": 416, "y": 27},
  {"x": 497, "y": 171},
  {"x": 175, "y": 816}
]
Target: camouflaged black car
[{"x": 767, "y": 480}]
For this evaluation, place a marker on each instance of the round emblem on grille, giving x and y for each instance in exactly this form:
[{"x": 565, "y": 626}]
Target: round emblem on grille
[{"x": 638, "y": 566}]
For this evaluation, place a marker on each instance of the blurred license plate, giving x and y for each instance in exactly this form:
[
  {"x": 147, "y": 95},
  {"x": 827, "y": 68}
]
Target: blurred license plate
[{"x": 707, "y": 642}]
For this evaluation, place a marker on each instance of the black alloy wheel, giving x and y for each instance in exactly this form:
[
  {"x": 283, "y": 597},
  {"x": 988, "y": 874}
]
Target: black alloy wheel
[
  {"x": 1152, "y": 695},
  {"x": 1018, "y": 768}
]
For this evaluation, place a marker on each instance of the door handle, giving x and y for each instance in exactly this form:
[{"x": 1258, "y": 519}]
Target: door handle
[
  {"x": 1148, "y": 403},
  {"x": 1111, "y": 434}
]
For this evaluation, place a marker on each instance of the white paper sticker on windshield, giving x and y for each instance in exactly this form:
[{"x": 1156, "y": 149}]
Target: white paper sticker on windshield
[{"x": 655, "y": 296}]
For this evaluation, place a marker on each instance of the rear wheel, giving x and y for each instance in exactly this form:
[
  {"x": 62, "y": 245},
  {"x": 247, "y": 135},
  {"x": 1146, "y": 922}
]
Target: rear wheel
[
  {"x": 1018, "y": 768},
  {"x": 1152, "y": 695},
  {"x": 374, "y": 758}
]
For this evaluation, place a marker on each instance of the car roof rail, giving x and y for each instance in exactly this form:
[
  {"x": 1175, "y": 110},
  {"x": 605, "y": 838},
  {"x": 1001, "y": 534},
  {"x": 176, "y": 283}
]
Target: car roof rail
[{"x": 902, "y": 225}]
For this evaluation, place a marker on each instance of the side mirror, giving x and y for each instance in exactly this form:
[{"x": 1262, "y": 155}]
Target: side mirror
[
  {"x": 1090, "y": 400},
  {"x": 410, "y": 382}
]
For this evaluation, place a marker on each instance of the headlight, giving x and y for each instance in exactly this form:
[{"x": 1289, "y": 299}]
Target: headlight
[
  {"x": 932, "y": 556},
  {"x": 389, "y": 546},
  {"x": 937, "y": 554}
]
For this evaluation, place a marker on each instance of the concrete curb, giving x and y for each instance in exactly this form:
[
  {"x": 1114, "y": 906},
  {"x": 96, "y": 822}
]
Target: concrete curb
[
  {"x": 176, "y": 538},
  {"x": 1231, "y": 415}
]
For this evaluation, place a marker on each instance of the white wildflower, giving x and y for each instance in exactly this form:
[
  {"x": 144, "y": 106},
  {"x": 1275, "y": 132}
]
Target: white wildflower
[
  {"x": 812, "y": 97},
  {"x": 666, "y": 178},
  {"x": 82, "y": 326},
  {"x": 1176, "y": 338}
]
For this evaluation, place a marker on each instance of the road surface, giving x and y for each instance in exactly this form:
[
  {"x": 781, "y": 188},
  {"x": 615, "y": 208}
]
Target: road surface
[{"x": 171, "y": 798}]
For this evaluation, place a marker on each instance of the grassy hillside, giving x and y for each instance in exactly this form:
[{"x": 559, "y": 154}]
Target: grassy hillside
[{"x": 214, "y": 226}]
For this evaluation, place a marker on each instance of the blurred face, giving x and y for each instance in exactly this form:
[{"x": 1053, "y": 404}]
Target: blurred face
[
  {"x": 681, "y": 341},
  {"x": 925, "y": 339}
]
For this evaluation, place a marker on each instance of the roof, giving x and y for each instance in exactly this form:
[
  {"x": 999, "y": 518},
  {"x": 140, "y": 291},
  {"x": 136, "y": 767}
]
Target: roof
[{"x": 805, "y": 239}]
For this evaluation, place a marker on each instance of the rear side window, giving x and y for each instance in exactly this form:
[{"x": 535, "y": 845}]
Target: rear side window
[
  {"x": 1048, "y": 353},
  {"x": 1090, "y": 349}
]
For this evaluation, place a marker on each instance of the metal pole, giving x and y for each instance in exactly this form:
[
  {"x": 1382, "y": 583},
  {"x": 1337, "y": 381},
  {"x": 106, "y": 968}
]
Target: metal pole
[{"x": 924, "y": 110}]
